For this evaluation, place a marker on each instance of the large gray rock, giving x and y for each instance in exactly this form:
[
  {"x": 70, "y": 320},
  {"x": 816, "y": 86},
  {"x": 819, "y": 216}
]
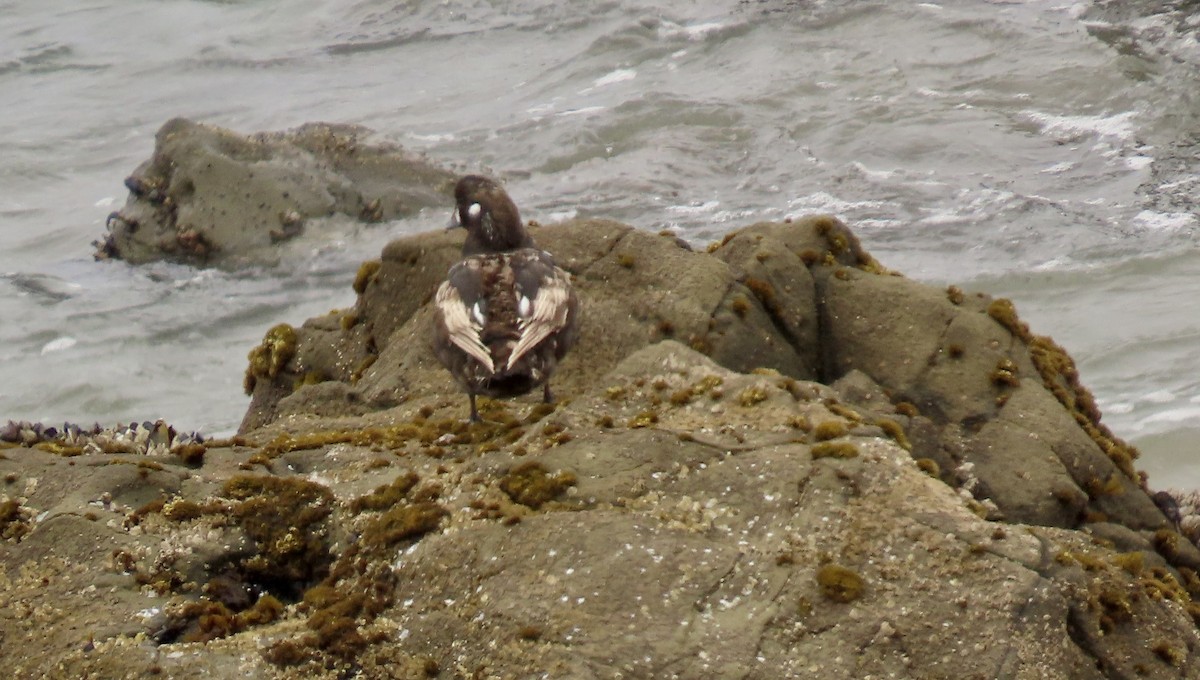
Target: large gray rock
[
  {"x": 999, "y": 410},
  {"x": 636, "y": 288},
  {"x": 754, "y": 526},
  {"x": 210, "y": 196}
]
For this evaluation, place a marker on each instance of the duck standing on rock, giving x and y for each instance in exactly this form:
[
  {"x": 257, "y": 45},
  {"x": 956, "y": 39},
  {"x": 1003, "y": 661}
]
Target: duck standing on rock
[{"x": 506, "y": 314}]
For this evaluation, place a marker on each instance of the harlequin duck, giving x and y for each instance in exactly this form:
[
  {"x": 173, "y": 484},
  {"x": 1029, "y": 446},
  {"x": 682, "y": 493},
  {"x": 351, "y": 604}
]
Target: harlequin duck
[{"x": 506, "y": 314}]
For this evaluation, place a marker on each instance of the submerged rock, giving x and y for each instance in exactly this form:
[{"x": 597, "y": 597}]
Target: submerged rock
[
  {"x": 211, "y": 196},
  {"x": 773, "y": 459}
]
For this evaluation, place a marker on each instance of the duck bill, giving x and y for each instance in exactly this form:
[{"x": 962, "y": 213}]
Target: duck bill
[{"x": 454, "y": 222}]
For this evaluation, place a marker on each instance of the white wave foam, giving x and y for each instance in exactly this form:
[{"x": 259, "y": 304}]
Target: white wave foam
[
  {"x": 59, "y": 344},
  {"x": 562, "y": 215},
  {"x": 1152, "y": 219},
  {"x": 444, "y": 137},
  {"x": 1058, "y": 168},
  {"x": 707, "y": 206},
  {"x": 1172, "y": 416},
  {"x": 825, "y": 202},
  {"x": 618, "y": 76},
  {"x": 876, "y": 175},
  {"x": 1118, "y": 126},
  {"x": 581, "y": 111},
  {"x": 695, "y": 33},
  {"x": 1159, "y": 397},
  {"x": 1138, "y": 161}
]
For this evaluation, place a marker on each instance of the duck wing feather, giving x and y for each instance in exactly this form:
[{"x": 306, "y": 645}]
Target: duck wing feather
[
  {"x": 546, "y": 312},
  {"x": 462, "y": 330}
]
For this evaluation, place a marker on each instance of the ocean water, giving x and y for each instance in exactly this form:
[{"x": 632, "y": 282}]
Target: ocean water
[{"x": 1045, "y": 151}]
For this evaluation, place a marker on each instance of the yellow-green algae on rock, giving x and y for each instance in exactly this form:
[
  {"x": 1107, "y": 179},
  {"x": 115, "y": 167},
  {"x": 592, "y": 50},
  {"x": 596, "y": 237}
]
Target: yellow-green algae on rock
[{"x": 271, "y": 355}]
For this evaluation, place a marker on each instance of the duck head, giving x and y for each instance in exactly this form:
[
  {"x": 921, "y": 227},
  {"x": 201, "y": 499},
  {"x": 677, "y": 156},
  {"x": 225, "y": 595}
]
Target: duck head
[{"x": 490, "y": 217}]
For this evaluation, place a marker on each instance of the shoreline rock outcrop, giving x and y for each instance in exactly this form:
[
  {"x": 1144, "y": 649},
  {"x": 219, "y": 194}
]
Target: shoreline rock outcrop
[
  {"x": 772, "y": 459},
  {"x": 211, "y": 196}
]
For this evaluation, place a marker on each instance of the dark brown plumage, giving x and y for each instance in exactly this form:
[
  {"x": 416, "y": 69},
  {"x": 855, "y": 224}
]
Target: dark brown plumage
[{"x": 506, "y": 314}]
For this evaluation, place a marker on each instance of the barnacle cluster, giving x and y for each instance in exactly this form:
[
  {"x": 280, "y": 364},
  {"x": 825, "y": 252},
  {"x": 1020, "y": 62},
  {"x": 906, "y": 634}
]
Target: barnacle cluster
[{"x": 146, "y": 438}]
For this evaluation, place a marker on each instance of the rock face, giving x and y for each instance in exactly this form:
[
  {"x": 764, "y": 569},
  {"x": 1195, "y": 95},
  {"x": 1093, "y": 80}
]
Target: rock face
[
  {"x": 774, "y": 459},
  {"x": 210, "y": 196},
  {"x": 999, "y": 410}
]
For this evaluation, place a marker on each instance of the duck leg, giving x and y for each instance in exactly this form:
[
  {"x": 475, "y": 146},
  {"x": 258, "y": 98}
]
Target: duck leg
[
  {"x": 474, "y": 411},
  {"x": 547, "y": 398}
]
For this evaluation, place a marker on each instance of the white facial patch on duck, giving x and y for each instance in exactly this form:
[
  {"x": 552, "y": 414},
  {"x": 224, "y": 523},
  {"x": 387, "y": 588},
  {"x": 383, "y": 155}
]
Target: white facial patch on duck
[
  {"x": 524, "y": 306},
  {"x": 474, "y": 210},
  {"x": 477, "y": 314}
]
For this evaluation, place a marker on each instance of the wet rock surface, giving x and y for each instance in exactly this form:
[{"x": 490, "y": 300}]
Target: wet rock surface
[
  {"x": 211, "y": 196},
  {"x": 773, "y": 459}
]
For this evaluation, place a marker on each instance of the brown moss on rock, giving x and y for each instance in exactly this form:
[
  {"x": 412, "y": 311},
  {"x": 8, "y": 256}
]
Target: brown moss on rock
[
  {"x": 183, "y": 510},
  {"x": 532, "y": 485},
  {"x": 895, "y": 432},
  {"x": 930, "y": 467},
  {"x": 765, "y": 293},
  {"x": 1168, "y": 653},
  {"x": 191, "y": 454},
  {"x": 283, "y": 518},
  {"x": 13, "y": 525},
  {"x": 840, "y": 584},
  {"x": 401, "y": 523},
  {"x": 367, "y": 272},
  {"x": 829, "y": 429},
  {"x": 1005, "y": 374},
  {"x": 643, "y": 419},
  {"x": 752, "y": 395},
  {"x": 207, "y": 620},
  {"x": 358, "y": 588},
  {"x": 388, "y": 495},
  {"x": 1111, "y": 604},
  {"x": 498, "y": 424},
  {"x": 1061, "y": 378},
  {"x": 834, "y": 450}
]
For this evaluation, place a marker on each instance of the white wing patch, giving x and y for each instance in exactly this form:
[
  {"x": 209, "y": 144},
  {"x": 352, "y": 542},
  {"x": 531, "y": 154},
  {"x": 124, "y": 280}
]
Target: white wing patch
[
  {"x": 464, "y": 331},
  {"x": 546, "y": 314}
]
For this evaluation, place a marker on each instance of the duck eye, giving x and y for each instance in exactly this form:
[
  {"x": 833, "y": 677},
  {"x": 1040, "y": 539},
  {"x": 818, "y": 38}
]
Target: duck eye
[{"x": 474, "y": 210}]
